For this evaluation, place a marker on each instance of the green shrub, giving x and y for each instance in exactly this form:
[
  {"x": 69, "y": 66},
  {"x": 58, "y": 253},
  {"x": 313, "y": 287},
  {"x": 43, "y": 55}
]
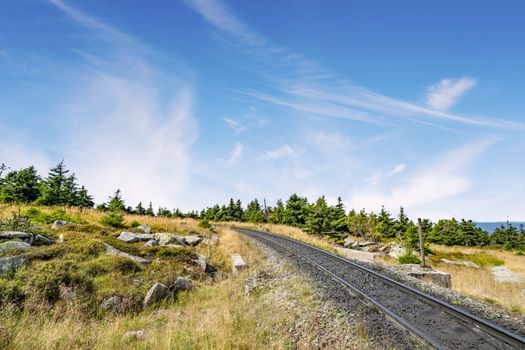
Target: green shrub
[
  {"x": 134, "y": 223},
  {"x": 182, "y": 253},
  {"x": 409, "y": 258},
  {"x": 43, "y": 217},
  {"x": 204, "y": 223},
  {"x": 83, "y": 248},
  {"x": 113, "y": 219},
  {"x": 10, "y": 292},
  {"x": 106, "y": 264}
]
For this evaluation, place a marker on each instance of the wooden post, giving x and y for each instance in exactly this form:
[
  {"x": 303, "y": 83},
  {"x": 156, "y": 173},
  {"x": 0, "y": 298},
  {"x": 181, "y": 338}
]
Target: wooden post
[{"x": 421, "y": 243}]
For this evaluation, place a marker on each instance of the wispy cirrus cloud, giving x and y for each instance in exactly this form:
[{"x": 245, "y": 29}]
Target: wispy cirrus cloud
[
  {"x": 235, "y": 154},
  {"x": 305, "y": 86},
  {"x": 234, "y": 125},
  {"x": 281, "y": 152},
  {"x": 399, "y": 168},
  {"x": 443, "y": 95}
]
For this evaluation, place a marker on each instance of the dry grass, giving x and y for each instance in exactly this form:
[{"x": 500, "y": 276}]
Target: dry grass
[{"x": 480, "y": 283}]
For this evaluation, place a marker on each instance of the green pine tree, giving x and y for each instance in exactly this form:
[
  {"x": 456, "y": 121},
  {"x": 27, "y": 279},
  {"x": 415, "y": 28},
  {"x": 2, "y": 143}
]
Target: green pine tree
[
  {"x": 116, "y": 203},
  {"x": 253, "y": 212},
  {"x": 21, "y": 186}
]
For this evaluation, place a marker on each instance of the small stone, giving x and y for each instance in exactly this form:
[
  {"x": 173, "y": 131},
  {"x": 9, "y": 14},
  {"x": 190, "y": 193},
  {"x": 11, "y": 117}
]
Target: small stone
[
  {"x": 60, "y": 238},
  {"x": 43, "y": 240},
  {"x": 156, "y": 293},
  {"x": 59, "y": 224},
  {"x": 182, "y": 283},
  {"x": 67, "y": 293},
  {"x": 151, "y": 243},
  {"x": 114, "y": 251},
  {"x": 13, "y": 246},
  {"x": 12, "y": 263},
  {"x": 238, "y": 263},
  {"x": 134, "y": 335},
  {"x": 111, "y": 304}
]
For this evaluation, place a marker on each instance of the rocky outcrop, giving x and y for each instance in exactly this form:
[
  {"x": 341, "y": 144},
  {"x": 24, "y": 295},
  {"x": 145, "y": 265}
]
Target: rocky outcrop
[
  {"x": 130, "y": 237},
  {"x": 396, "y": 250},
  {"x": 12, "y": 263},
  {"x": 13, "y": 247},
  {"x": 114, "y": 251},
  {"x": 166, "y": 238},
  {"x": 151, "y": 243},
  {"x": 156, "y": 293},
  {"x": 238, "y": 263},
  {"x": 59, "y": 224},
  {"x": 144, "y": 228},
  {"x": 192, "y": 240},
  {"x": 359, "y": 254},
  {"x": 503, "y": 274}
]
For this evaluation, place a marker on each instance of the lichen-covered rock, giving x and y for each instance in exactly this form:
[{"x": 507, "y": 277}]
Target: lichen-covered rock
[
  {"x": 192, "y": 240},
  {"x": 349, "y": 241},
  {"x": 396, "y": 250},
  {"x": 144, "y": 228},
  {"x": 41, "y": 239},
  {"x": 113, "y": 303},
  {"x": 182, "y": 283},
  {"x": 14, "y": 234},
  {"x": 12, "y": 263},
  {"x": 128, "y": 237},
  {"x": 166, "y": 238},
  {"x": 114, "y": 251},
  {"x": 59, "y": 224},
  {"x": 238, "y": 263},
  {"x": 156, "y": 293},
  {"x": 13, "y": 247}
]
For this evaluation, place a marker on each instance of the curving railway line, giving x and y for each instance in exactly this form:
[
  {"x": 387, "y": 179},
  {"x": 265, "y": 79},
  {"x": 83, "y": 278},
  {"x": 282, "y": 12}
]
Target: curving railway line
[{"x": 432, "y": 322}]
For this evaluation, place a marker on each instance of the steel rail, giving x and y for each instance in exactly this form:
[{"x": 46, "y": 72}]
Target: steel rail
[{"x": 494, "y": 330}]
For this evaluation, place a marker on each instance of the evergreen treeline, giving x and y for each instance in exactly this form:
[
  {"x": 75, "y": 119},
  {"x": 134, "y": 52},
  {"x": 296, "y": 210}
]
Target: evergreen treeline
[{"x": 60, "y": 188}]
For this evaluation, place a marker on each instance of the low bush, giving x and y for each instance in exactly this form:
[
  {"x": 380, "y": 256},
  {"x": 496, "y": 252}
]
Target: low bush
[
  {"x": 10, "y": 292},
  {"x": 134, "y": 224},
  {"x": 106, "y": 264},
  {"x": 84, "y": 248},
  {"x": 409, "y": 258},
  {"x": 45, "y": 217},
  {"x": 182, "y": 253},
  {"x": 113, "y": 219}
]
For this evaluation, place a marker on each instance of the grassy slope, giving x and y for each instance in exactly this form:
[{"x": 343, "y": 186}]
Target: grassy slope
[{"x": 215, "y": 315}]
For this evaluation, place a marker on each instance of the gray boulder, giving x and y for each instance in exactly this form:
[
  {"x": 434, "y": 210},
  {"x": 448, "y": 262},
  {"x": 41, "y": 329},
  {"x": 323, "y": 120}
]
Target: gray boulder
[
  {"x": 182, "y": 283},
  {"x": 114, "y": 251},
  {"x": 151, "y": 243},
  {"x": 59, "y": 224},
  {"x": 145, "y": 236},
  {"x": 128, "y": 237},
  {"x": 40, "y": 239},
  {"x": 12, "y": 263},
  {"x": 13, "y": 246},
  {"x": 396, "y": 250},
  {"x": 14, "y": 234},
  {"x": 200, "y": 262},
  {"x": 113, "y": 303},
  {"x": 166, "y": 238},
  {"x": 192, "y": 240},
  {"x": 348, "y": 242},
  {"x": 238, "y": 263},
  {"x": 156, "y": 293}
]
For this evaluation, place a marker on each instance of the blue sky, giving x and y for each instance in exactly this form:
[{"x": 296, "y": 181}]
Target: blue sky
[{"x": 188, "y": 103}]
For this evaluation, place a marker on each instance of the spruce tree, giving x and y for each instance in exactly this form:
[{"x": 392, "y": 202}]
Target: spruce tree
[
  {"x": 116, "y": 203},
  {"x": 277, "y": 214},
  {"x": 150, "y": 211},
  {"x": 83, "y": 199},
  {"x": 21, "y": 186},
  {"x": 140, "y": 209},
  {"x": 54, "y": 188},
  {"x": 296, "y": 211},
  {"x": 253, "y": 212},
  {"x": 318, "y": 219}
]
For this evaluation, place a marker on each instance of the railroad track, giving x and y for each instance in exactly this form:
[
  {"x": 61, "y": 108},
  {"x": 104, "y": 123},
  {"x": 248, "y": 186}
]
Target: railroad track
[{"x": 431, "y": 321}]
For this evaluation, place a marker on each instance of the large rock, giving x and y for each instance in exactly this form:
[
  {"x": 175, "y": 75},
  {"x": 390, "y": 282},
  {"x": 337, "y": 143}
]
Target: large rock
[
  {"x": 40, "y": 239},
  {"x": 238, "y": 263},
  {"x": 200, "y": 262},
  {"x": 59, "y": 224},
  {"x": 114, "y": 251},
  {"x": 396, "y": 250},
  {"x": 349, "y": 241},
  {"x": 13, "y": 246},
  {"x": 428, "y": 274},
  {"x": 503, "y": 274},
  {"x": 14, "y": 234},
  {"x": 12, "y": 263},
  {"x": 182, "y": 283},
  {"x": 156, "y": 293},
  {"x": 192, "y": 240},
  {"x": 130, "y": 237},
  {"x": 166, "y": 238}
]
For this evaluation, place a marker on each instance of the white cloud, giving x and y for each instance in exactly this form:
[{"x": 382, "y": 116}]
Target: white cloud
[
  {"x": 443, "y": 95},
  {"x": 382, "y": 175},
  {"x": 434, "y": 182},
  {"x": 236, "y": 153},
  {"x": 281, "y": 152},
  {"x": 234, "y": 125}
]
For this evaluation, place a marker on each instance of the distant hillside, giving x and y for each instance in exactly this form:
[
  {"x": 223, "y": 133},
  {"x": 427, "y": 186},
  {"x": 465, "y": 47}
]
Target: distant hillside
[{"x": 491, "y": 226}]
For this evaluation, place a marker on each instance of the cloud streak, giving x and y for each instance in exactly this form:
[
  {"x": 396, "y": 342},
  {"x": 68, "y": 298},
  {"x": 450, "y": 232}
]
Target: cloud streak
[{"x": 447, "y": 92}]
